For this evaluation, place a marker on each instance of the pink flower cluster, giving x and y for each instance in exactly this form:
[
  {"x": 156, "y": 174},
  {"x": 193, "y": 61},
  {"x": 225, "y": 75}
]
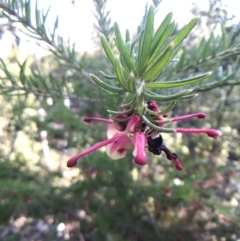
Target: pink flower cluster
[{"x": 122, "y": 135}]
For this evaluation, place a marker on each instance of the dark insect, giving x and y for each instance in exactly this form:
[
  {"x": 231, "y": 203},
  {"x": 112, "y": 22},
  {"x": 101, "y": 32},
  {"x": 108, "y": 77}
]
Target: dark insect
[{"x": 156, "y": 147}]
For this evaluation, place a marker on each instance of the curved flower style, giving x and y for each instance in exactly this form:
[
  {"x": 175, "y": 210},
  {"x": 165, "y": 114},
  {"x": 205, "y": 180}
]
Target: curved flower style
[{"x": 127, "y": 130}]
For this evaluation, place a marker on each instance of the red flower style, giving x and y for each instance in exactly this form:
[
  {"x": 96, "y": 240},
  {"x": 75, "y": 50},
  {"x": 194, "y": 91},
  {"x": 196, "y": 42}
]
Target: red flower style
[{"x": 132, "y": 131}]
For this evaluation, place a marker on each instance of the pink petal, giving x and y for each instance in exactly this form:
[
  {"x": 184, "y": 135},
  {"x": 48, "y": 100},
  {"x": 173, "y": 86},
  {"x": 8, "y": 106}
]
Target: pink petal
[
  {"x": 112, "y": 131},
  {"x": 139, "y": 152},
  {"x": 73, "y": 161},
  {"x": 117, "y": 149},
  {"x": 134, "y": 124}
]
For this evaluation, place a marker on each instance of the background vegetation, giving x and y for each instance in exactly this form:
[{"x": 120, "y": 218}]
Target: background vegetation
[{"x": 43, "y": 101}]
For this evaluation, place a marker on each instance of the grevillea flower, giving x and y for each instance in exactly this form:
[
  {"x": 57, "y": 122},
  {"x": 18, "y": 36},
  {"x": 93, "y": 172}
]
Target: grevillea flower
[
  {"x": 118, "y": 141},
  {"x": 127, "y": 130}
]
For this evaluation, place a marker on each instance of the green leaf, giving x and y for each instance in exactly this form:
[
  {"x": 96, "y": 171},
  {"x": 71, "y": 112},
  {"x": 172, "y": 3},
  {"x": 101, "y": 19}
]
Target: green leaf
[
  {"x": 106, "y": 86},
  {"x": 155, "y": 127},
  {"x": 121, "y": 120},
  {"x": 183, "y": 33},
  {"x": 168, "y": 108},
  {"x": 164, "y": 98},
  {"x": 107, "y": 76},
  {"x": 135, "y": 40},
  {"x": 128, "y": 47},
  {"x": 140, "y": 43},
  {"x": 160, "y": 31},
  {"x": 131, "y": 102},
  {"x": 159, "y": 122},
  {"x": 172, "y": 84},
  {"x": 157, "y": 66},
  {"x": 37, "y": 16},
  {"x": 108, "y": 50},
  {"x": 212, "y": 44},
  {"x": 131, "y": 83},
  {"x": 28, "y": 11},
  {"x": 200, "y": 48},
  {"x": 54, "y": 29},
  {"x": 125, "y": 68},
  {"x": 128, "y": 111},
  {"x": 187, "y": 97},
  {"x": 205, "y": 51},
  {"x": 122, "y": 48},
  {"x": 44, "y": 16},
  {"x": 151, "y": 113},
  {"x": 22, "y": 76},
  {"x": 127, "y": 37},
  {"x": 7, "y": 73},
  {"x": 157, "y": 50},
  {"x": 181, "y": 61},
  {"x": 176, "y": 50},
  {"x": 144, "y": 50},
  {"x": 119, "y": 74}
]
